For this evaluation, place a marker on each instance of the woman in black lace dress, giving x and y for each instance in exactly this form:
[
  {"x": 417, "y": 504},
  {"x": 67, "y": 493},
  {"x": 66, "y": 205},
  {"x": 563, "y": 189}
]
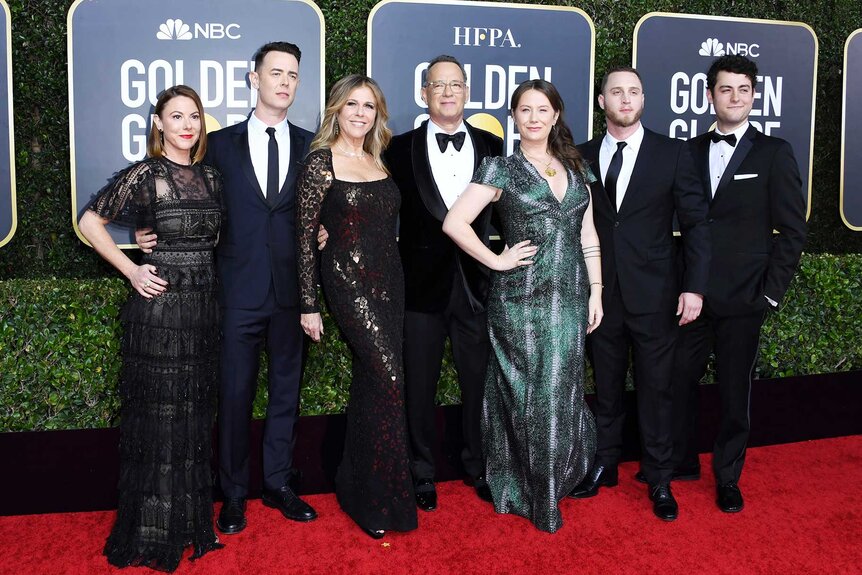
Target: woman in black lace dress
[
  {"x": 345, "y": 187},
  {"x": 170, "y": 341}
]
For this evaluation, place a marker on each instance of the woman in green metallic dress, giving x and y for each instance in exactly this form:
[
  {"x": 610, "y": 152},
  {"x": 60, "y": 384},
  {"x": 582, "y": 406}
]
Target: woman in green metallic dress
[{"x": 539, "y": 436}]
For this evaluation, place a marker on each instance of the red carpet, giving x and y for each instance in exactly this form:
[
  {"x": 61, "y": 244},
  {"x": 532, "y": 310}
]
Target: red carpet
[{"x": 803, "y": 514}]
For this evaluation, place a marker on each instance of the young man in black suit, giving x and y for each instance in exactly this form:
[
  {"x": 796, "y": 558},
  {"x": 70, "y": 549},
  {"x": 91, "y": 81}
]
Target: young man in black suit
[
  {"x": 757, "y": 226},
  {"x": 445, "y": 290},
  {"x": 259, "y": 161},
  {"x": 643, "y": 180}
]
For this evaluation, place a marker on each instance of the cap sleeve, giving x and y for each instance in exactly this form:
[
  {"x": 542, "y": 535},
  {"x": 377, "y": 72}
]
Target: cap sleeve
[
  {"x": 493, "y": 172},
  {"x": 128, "y": 197},
  {"x": 587, "y": 173}
]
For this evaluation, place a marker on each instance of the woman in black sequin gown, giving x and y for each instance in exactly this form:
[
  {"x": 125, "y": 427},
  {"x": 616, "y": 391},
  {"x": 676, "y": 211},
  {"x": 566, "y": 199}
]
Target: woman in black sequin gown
[
  {"x": 345, "y": 187},
  {"x": 170, "y": 341}
]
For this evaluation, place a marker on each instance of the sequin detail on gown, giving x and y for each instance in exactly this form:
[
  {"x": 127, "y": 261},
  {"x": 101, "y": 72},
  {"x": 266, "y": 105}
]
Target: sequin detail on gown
[
  {"x": 538, "y": 434},
  {"x": 364, "y": 287},
  {"x": 170, "y": 366}
]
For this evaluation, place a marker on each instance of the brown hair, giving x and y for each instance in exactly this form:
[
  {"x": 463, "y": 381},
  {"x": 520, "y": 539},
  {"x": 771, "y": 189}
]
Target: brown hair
[
  {"x": 560, "y": 142},
  {"x": 154, "y": 141}
]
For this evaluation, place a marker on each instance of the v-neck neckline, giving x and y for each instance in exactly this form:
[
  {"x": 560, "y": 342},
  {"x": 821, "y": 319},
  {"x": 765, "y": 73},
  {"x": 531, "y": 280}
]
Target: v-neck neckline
[{"x": 547, "y": 183}]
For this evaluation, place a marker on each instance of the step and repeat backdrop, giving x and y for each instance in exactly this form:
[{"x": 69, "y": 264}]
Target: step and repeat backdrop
[
  {"x": 118, "y": 66},
  {"x": 8, "y": 215},
  {"x": 500, "y": 46},
  {"x": 851, "y": 134},
  {"x": 673, "y": 52}
]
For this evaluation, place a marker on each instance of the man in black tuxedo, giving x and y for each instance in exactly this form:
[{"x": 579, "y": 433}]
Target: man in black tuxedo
[
  {"x": 643, "y": 179},
  {"x": 259, "y": 160},
  {"x": 754, "y": 190},
  {"x": 445, "y": 289}
]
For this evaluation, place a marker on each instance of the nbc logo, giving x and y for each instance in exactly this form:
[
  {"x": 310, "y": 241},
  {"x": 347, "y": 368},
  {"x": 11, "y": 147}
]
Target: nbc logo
[
  {"x": 174, "y": 30},
  {"x": 711, "y": 47}
]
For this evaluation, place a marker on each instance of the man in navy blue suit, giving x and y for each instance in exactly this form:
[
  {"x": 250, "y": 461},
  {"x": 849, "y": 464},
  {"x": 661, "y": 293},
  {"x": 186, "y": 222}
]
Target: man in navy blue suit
[{"x": 259, "y": 161}]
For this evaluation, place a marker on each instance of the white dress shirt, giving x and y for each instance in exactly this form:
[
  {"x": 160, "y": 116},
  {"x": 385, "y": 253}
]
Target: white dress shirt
[
  {"x": 720, "y": 154},
  {"x": 258, "y": 147},
  {"x": 452, "y": 169},
  {"x": 630, "y": 155}
]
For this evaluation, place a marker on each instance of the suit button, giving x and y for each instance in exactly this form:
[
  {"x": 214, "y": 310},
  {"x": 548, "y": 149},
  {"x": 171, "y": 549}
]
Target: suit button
[
  {"x": 616, "y": 224},
  {"x": 710, "y": 220}
]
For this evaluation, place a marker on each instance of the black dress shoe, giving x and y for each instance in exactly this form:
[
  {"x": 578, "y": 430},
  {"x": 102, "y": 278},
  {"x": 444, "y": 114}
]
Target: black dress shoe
[
  {"x": 291, "y": 506},
  {"x": 679, "y": 474},
  {"x": 598, "y": 476},
  {"x": 729, "y": 498},
  {"x": 426, "y": 495},
  {"x": 482, "y": 489},
  {"x": 663, "y": 503},
  {"x": 231, "y": 518},
  {"x": 374, "y": 533}
]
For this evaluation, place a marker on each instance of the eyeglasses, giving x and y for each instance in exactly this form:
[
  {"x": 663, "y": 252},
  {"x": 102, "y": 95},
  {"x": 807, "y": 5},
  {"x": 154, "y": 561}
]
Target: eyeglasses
[{"x": 439, "y": 86}]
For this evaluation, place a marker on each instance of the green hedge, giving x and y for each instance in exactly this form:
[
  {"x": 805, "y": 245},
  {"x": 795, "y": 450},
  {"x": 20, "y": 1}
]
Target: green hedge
[
  {"x": 45, "y": 245},
  {"x": 59, "y": 343}
]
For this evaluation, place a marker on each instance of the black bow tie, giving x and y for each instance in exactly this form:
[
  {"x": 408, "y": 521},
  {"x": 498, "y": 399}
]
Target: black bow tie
[
  {"x": 729, "y": 138},
  {"x": 457, "y": 140}
]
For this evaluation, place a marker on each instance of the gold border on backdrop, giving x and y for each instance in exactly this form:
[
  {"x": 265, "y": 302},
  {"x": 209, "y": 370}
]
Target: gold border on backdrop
[
  {"x": 586, "y": 16},
  {"x": 12, "y": 194},
  {"x": 844, "y": 131},
  {"x": 649, "y": 15},
  {"x": 70, "y": 57}
]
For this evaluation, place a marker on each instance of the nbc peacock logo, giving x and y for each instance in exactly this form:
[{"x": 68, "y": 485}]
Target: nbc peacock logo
[
  {"x": 711, "y": 47},
  {"x": 174, "y": 30}
]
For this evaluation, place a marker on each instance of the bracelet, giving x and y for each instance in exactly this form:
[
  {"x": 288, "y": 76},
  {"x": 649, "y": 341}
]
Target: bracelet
[{"x": 596, "y": 284}]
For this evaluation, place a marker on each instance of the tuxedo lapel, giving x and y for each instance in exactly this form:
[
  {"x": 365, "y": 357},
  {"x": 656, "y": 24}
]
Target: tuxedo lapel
[
  {"x": 480, "y": 147},
  {"x": 240, "y": 140},
  {"x": 743, "y": 146},
  {"x": 297, "y": 144},
  {"x": 701, "y": 158},
  {"x": 643, "y": 163},
  {"x": 424, "y": 178}
]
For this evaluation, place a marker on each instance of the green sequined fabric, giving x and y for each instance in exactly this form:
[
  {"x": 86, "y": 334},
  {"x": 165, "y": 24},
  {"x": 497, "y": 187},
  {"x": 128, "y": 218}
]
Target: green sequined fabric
[{"x": 539, "y": 436}]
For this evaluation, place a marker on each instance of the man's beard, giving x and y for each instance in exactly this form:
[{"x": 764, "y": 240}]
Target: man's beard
[{"x": 624, "y": 121}]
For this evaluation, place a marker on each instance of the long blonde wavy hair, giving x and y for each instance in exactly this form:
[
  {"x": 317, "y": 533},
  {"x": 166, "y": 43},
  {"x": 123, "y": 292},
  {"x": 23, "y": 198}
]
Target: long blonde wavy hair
[{"x": 376, "y": 139}]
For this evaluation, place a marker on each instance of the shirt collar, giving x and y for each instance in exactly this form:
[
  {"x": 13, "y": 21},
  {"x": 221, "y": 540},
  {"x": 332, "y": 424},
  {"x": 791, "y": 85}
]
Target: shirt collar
[
  {"x": 634, "y": 141},
  {"x": 255, "y": 124},
  {"x": 435, "y": 129},
  {"x": 739, "y": 132}
]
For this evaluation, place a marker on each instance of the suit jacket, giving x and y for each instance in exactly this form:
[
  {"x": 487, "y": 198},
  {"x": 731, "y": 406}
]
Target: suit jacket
[
  {"x": 256, "y": 245},
  {"x": 430, "y": 258},
  {"x": 760, "y": 191},
  {"x": 638, "y": 248}
]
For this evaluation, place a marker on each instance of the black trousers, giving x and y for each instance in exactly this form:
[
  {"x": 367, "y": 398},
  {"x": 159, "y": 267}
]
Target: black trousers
[
  {"x": 649, "y": 339},
  {"x": 243, "y": 335},
  {"x": 424, "y": 342},
  {"x": 735, "y": 341}
]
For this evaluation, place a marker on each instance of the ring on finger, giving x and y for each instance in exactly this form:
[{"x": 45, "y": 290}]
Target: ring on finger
[{"x": 147, "y": 284}]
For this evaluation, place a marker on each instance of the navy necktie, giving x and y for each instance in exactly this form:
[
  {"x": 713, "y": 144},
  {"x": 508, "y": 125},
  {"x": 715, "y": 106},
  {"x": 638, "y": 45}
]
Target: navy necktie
[
  {"x": 272, "y": 167},
  {"x": 613, "y": 174},
  {"x": 457, "y": 140}
]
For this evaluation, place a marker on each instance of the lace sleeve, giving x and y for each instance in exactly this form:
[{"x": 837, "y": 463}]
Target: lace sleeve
[
  {"x": 216, "y": 186},
  {"x": 314, "y": 180},
  {"x": 128, "y": 197}
]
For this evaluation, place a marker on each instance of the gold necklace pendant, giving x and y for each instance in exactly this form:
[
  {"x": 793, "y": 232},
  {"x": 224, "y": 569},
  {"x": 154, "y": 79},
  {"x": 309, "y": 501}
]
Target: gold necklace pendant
[{"x": 549, "y": 171}]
